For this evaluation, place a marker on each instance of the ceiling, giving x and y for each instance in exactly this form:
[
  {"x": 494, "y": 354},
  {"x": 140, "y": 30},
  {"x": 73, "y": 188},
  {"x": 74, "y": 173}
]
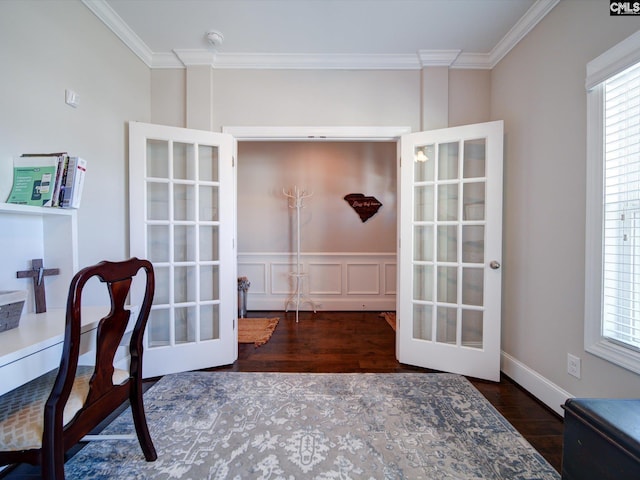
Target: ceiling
[{"x": 397, "y": 34}]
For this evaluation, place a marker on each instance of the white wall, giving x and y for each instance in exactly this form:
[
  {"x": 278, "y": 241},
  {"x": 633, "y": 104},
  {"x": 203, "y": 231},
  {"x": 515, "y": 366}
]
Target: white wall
[
  {"x": 316, "y": 98},
  {"x": 538, "y": 90},
  {"x": 47, "y": 47}
]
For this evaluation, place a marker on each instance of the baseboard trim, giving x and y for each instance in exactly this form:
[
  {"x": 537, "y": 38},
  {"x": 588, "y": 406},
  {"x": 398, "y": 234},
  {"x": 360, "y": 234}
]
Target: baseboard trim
[
  {"x": 324, "y": 304},
  {"x": 540, "y": 387}
]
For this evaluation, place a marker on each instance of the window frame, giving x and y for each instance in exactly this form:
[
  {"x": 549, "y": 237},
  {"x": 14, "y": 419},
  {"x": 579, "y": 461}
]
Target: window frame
[{"x": 610, "y": 63}]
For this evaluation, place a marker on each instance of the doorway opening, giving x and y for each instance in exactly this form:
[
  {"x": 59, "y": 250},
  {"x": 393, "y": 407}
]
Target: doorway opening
[
  {"x": 349, "y": 263},
  {"x": 344, "y": 278}
]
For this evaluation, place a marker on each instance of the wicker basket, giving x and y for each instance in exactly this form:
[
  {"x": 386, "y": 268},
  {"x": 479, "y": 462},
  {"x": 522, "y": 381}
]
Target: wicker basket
[{"x": 11, "y": 303}]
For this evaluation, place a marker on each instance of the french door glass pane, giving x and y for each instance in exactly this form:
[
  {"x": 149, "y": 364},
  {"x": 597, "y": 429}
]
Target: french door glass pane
[
  {"x": 208, "y": 163},
  {"x": 184, "y": 202},
  {"x": 183, "y": 161},
  {"x": 473, "y": 243},
  {"x": 157, "y": 201},
  {"x": 184, "y": 285},
  {"x": 209, "y": 322},
  {"x": 162, "y": 293},
  {"x": 448, "y": 154},
  {"x": 447, "y": 324},
  {"x": 447, "y": 284},
  {"x": 447, "y": 243},
  {"x": 209, "y": 284},
  {"x": 472, "y": 286},
  {"x": 473, "y": 197},
  {"x": 424, "y": 160},
  {"x": 422, "y": 321},
  {"x": 473, "y": 165},
  {"x": 185, "y": 324},
  {"x": 184, "y": 242},
  {"x": 448, "y": 202},
  {"x": 423, "y": 243},
  {"x": 159, "y": 328},
  {"x": 424, "y": 203},
  {"x": 423, "y": 282},
  {"x": 157, "y": 158},
  {"x": 209, "y": 244},
  {"x": 208, "y": 206},
  {"x": 472, "y": 334},
  {"x": 158, "y": 243}
]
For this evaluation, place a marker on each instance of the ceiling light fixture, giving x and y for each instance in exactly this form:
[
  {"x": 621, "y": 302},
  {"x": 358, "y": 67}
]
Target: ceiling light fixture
[
  {"x": 214, "y": 38},
  {"x": 421, "y": 156}
]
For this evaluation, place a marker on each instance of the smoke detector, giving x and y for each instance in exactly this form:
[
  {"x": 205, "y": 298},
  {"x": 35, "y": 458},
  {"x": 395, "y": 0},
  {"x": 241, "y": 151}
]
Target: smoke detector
[{"x": 214, "y": 38}]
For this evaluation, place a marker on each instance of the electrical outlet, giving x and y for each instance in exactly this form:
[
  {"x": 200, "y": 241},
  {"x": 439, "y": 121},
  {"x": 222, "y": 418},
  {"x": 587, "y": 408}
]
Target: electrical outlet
[{"x": 573, "y": 365}]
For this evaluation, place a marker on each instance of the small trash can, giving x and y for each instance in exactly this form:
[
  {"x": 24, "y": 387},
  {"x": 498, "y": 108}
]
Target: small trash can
[{"x": 243, "y": 287}]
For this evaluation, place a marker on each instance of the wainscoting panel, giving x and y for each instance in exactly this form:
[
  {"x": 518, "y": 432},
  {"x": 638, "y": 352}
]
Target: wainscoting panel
[
  {"x": 334, "y": 281},
  {"x": 390, "y": 278},
  {"x": 281, "y": 280},
  {"x": 257, "y": 273},
  {"x": 325, "y": 279},
  {"x": 363, "y": 279}
]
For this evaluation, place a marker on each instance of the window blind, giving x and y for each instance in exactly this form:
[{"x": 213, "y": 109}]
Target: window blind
[{"x": 621, "y": 237}]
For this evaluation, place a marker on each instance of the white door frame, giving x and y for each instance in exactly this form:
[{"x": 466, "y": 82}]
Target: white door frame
[{"x": 364, "y": 134}]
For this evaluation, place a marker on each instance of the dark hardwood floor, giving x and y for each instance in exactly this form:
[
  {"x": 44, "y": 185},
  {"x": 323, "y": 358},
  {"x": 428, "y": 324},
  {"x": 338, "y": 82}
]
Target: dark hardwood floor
[{"x": 341, "y": 342}]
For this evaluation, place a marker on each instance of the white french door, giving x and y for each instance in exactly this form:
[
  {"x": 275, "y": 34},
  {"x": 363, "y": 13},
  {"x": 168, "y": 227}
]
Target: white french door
[
  {"x": 182, "y": 218},
  {"x": 449, "y": 294}
]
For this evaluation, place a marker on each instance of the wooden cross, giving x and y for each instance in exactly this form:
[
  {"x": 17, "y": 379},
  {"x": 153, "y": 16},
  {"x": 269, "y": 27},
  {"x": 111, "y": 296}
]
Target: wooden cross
[{"x": 37, "y": 273}]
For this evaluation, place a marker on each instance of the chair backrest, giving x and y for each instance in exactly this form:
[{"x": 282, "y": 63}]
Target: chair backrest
[{"x": 103, "y": 396}]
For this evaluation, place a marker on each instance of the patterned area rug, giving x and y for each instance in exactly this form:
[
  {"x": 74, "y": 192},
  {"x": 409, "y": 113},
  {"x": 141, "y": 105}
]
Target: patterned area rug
[
  {"x": 285, "y": 426},
  {"x": 256, "y": 330}
]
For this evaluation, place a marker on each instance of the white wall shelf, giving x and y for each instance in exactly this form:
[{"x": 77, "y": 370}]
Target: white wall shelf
[{"x": 28, "y": 232}]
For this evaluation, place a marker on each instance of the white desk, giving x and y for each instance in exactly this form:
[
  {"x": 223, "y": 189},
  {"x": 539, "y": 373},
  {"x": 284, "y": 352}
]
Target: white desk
[{"x": 35, "y": 346}]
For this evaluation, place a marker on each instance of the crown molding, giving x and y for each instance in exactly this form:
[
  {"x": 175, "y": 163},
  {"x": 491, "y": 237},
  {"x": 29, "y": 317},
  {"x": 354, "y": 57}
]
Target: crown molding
[
  {"x": 438, "y": 58},
  {"x": 477, "y": 61},
  {"x": 423, "y": 58},
  {"x": 195, "y": 57}
]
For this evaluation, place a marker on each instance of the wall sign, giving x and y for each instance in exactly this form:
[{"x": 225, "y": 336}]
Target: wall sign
[{"x": 365, "y": 207}]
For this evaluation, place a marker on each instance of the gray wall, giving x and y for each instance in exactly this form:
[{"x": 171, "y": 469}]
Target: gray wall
[
  {"x": 538, "y": 90},
  {"x": 45, "y": 48}
]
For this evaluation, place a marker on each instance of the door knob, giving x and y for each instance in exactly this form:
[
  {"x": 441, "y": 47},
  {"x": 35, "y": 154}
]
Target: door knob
[{"x": 495, "y": 264}]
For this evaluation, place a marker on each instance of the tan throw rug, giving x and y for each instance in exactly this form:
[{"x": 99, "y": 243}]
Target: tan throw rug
[
  {"x": 256, "y": 330},
  {"x": 390, "y": 317}
]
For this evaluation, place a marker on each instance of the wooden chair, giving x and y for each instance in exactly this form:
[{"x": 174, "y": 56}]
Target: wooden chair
[{"x": 42, "y": 419}]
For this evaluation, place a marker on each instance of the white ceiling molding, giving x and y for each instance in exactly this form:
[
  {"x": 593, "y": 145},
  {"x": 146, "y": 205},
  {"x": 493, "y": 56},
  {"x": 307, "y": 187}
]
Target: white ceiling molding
[
  {"x": 438, "y": 58},
  {"x": 195, "y": 57},
  {"x": 478, "y": 61},
  {"x": 423, "y": 58}
]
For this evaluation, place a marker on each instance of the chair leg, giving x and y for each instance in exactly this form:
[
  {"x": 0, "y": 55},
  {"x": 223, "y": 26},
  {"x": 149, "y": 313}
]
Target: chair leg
[
  {"x": 140, "y": 422},
  {"x": 52, "y": 463}
]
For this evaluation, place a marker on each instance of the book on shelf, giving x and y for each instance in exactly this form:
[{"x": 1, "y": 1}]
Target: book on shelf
[
  {"x": 62, "y": 165},
  {"x": 34, "y": 178},
  {"x": 73, "y": 182}
]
